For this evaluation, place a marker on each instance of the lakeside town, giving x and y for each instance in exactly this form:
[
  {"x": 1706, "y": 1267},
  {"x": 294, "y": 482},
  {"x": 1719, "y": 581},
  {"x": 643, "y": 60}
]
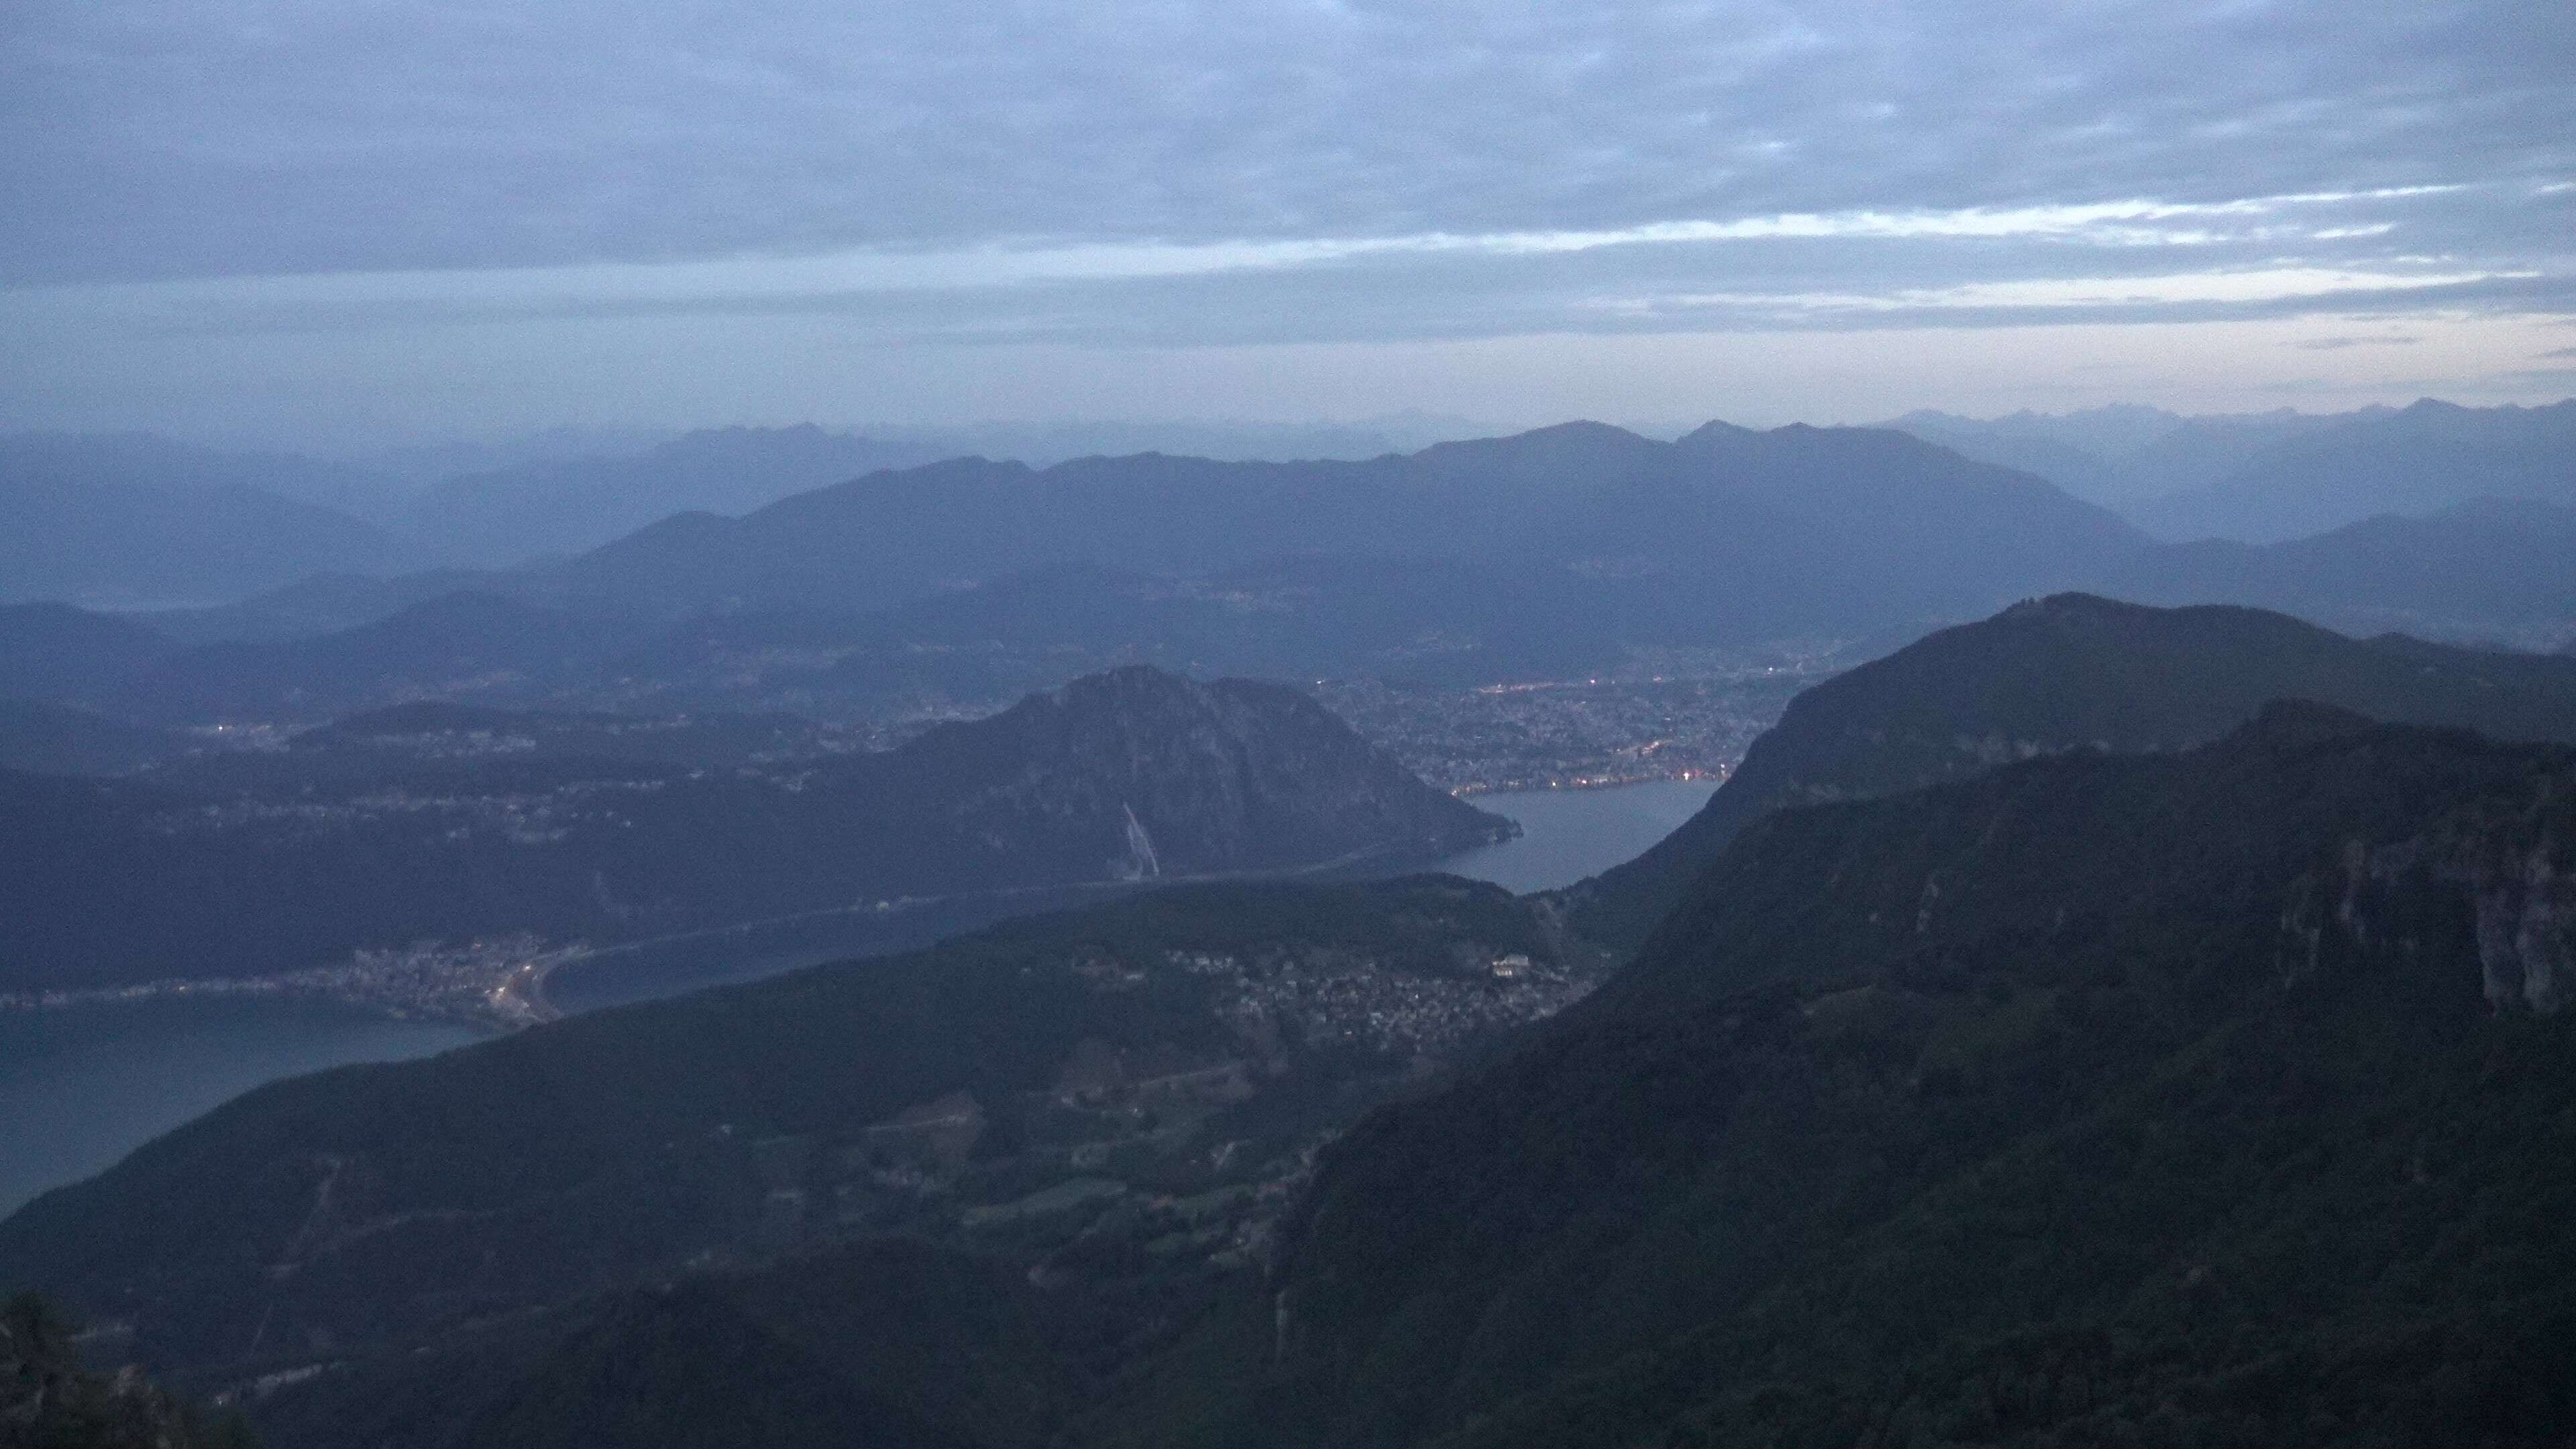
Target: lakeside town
[
  {"x": 1659, "y": 718},
  {"x": 1690, "y": 719},
  {"x": 496, "y": 983}
]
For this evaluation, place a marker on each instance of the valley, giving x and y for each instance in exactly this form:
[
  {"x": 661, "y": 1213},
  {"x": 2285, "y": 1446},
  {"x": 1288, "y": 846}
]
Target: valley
[
  {"x": 1245, "y": 998},
  {"x": 1158, "y": 724},
  {"x": 423, "y": 999},
  {"x": 1197, "y": 1117}
]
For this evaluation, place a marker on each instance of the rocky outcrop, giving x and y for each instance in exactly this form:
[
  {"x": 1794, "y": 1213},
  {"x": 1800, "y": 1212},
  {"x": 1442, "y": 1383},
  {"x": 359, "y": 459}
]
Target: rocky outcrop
[
  {"x": 2526, "y": 925},
  {"x": 2516, "y": 899}
]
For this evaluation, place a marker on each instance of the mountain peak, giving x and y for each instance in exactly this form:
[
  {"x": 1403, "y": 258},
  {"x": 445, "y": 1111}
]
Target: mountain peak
[
  {"x": 1710, "y": 431},
  {"x": 1125, "y": 684}
]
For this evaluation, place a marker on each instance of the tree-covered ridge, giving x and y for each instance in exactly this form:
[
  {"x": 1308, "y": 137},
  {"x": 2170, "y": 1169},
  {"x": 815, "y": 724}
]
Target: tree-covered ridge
[
  {"x": 1117, "y": 1105},
  {"x": 1134, "y": 775},
  {"x": 2192, "y": 1098},
  {"x": 2068, "y": 672}
]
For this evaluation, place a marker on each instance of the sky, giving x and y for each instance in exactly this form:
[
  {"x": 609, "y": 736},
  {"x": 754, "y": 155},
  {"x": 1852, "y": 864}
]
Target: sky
[{"x": 320, "y": 221}]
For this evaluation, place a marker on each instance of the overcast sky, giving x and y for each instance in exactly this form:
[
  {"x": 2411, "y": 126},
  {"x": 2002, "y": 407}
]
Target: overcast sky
[{"x": 343, "y": 219}]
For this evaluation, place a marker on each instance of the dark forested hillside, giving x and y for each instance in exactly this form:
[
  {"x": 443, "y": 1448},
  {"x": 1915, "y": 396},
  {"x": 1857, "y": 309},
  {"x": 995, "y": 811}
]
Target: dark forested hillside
[
  {"x": 2218, "y": 1097},
  {"x": 2204, "y": 1095},
  {"x": 287, "y": 862},
  {"x": 1112, "y": 1108},
  {"x": 2062, "y": 673}
]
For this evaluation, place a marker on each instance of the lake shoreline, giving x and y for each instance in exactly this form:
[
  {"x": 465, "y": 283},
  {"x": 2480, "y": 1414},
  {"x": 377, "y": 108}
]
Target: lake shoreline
[{"x": 83, "y": 1083}]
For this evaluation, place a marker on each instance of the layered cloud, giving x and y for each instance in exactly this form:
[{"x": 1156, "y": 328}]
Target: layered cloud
[{"x": 1181, "y": 172}]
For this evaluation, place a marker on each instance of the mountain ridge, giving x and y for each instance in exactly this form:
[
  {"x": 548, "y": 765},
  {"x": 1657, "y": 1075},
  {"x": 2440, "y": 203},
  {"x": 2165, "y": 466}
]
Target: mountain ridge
[
  {"x": 2066, "y": 672},
  {"x": 1116, "y": 779}
]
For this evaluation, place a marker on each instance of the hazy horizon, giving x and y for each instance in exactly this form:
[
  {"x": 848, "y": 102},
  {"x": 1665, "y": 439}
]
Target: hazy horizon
[
  {"x": 257, "y": 220},
  {"x": 1405, "y": 431}
]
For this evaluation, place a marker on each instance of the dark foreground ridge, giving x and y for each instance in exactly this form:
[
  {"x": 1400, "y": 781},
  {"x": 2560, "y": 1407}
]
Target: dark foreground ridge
[
  {"x": 2218, "y": 1097},
  {"x": 1086, "y": 1126}
]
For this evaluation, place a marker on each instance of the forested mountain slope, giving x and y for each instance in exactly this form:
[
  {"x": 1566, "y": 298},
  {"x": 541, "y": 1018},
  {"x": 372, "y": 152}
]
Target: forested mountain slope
[
  {"x": 1112, "y": 1107},
  {"x": 1133, "y": 776},
  {"x": 2210, "y": 1097},
  {"x": 2066, "y": 672}
]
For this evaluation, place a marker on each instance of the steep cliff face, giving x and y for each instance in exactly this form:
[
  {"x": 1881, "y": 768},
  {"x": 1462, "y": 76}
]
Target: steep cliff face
[
  {"x": 2527, "y": 937},
  {"x": 2497, "y": 870}
]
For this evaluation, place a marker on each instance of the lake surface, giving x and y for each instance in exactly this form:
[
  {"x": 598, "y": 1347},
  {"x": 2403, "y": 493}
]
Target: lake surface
[
  {"x": 1567, "y": 835},
  {"x": 83, "y": 1086}
]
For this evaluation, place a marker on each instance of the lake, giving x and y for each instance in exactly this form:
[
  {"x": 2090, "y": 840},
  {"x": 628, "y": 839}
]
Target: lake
[
  {"x": 83, "y": 1086},
  {"x": 1567, "y": 835}
]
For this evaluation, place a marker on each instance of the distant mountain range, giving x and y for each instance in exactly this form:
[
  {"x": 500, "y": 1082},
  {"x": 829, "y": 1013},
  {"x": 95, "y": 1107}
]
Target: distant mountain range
[
  {"x": 2272, "y": 477},
  {"x": 129, "y": 534},
  {"x": 565, "y": 506},
  {"x": 1572, "y": 495},
  {"x": 124, "y": 460},
  {"x": 1539, "y": 556},
  {"x": 1545, "y": 554},
  {"x": 503, "y": 504},
  {"x": 239, "y": 868},
  {"x": 2123, "y": 454},
  {"x": 2493, "y": 568},
  {"x": 1800, "y": 528}
]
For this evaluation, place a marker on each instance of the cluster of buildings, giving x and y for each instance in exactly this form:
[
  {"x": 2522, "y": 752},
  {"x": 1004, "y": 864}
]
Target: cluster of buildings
[
  {"x": 1570, "y": 734},
  {"x": 1137, "y": 1160},
  {"x": 495, "y": 982},
  {"x": 1318, "y": 999}
]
